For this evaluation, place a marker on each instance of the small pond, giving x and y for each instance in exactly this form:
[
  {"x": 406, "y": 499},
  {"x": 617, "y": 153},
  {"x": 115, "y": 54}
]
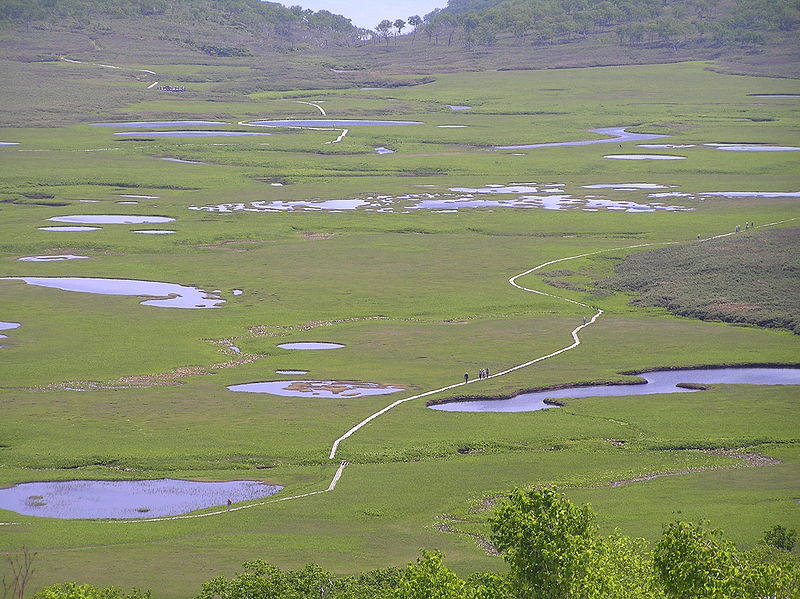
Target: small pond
[
  {"x": 618, "y": 135},
  {"x": 155, "y": 231},
  {"x": 753, "y": 148},
  {"x": 56, "y": 258},
  {"x": 192, "y": 133},
  {"x": 453, "y": 127},
  {"x": 138, "y": 197},
  {"x": 664, "y": 381},
  {"x": 457, "y": 107},
  {"x": 182, "y": 161},
  {"x": 328, "y": 389},
  {"x": 644, "y": 157},
  {"x": 9, "y": 143},
  {"x": 70, "y": 229},
  {"x": 332, "y": 123},
  {"x": 665, "y": 146},
  {"x": 752, "y": 194},
  {"x": 384, "y": 151},
  {"x": 110, "y": 219},
  {"x": 310, "y": 345},
  {"x": 293, "y": 372},
  {"x": 7, "y": 326},
  {"x": 160, "y": 124},
  {"x": 774, "y": 95},
  {"x": 170, "y": 295},
  {"x": 127, "y": 498}
]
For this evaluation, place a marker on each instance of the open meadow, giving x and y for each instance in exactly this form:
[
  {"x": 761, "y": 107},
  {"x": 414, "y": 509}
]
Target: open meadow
[{"x": 404, "y": 258}]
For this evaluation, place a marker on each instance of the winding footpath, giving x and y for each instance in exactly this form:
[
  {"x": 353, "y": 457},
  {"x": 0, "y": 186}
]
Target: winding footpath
[{"x": 110, "y": 66}]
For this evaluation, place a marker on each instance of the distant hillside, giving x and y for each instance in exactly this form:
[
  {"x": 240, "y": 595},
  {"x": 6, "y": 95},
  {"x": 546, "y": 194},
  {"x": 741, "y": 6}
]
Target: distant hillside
[
  {"x": 634, "y": 23},
  {"x": 261, "y": 19}
]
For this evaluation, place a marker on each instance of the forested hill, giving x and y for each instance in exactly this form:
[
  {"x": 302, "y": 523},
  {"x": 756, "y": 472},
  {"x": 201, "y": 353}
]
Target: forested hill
[
  {"x": 246, "y": 14},
  {"x": 652, "y": 23}
]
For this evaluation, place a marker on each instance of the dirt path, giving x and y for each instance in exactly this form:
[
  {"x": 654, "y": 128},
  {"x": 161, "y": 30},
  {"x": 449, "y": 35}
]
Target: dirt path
[{"x": 111, "y": 66}]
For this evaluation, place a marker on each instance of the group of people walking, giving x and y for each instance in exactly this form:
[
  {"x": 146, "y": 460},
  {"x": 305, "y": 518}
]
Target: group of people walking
[{"x": 483, "y": 373}]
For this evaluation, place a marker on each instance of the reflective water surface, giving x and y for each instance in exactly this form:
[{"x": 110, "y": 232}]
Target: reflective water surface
[{"x": 664, "y": 381}]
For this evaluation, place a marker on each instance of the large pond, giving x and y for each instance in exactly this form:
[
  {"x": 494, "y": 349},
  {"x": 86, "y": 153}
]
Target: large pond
[
  {"x": 644, "y": 157},
  {"x": 732, "y": 147},
  {"x": 304, "y": 388},
  {"x": 110, "y": 219},
  {"x": 70, "y": 229},
  {"x": 55, "y": 258},
  {"x": 618, "y": 135},
  {"x": 664, "y": 381},
  {"x": 303, "y": 345},
  {"x": 191, "y": 133},
  {"x": 160, "y": 124},
  {"x": 331, "y": 123},
  {"x": 170, "y": 295},
  {"x": 128, "y": 498}
]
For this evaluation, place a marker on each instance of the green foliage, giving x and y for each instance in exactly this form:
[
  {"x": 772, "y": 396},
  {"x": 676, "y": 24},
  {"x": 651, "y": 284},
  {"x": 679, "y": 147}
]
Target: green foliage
[
  {"x": 780, "y": 537},
  {"x": 545, "y": 539},
  {"x": 428, "y": 578},
  {"x": 264, "y": 581},
  {"x": 73, "y": 590}
]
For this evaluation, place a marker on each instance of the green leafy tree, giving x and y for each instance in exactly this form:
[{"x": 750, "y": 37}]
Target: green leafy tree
[
  {"x": 384, "y": 29},
  {"x": 780, "y": 537},
  {"x": 429, "y": 578},
  {"x": 694, "y": 562},
  {"x": 399, "y": 24},
  {"x": 546, "y": 540},
  {"x": 73, "y": 590}
]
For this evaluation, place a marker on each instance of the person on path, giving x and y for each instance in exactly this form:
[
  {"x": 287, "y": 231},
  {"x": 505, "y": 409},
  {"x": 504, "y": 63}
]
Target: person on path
[
  {"x": 466, "y": 377},
  {"x": 486, "y": 373},
  {"x": 584, "y": 321},
  {"x": 229, "y": 503}
]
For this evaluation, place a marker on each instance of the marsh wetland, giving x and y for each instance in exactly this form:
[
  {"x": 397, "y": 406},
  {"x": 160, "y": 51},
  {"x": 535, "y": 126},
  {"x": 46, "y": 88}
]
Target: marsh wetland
[{"x": 422, "y": 247}]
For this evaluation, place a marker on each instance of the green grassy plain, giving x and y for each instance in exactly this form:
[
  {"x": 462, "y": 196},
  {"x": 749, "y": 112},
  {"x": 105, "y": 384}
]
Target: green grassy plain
[{"x": 417, "y": 297}]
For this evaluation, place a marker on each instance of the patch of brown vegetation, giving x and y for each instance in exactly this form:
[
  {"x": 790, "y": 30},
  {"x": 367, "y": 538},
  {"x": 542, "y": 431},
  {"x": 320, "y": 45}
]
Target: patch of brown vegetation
[{"x": 481, "y": 541}]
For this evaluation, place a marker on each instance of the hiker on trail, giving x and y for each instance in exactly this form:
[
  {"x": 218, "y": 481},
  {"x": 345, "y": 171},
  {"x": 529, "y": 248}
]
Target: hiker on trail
[
  {"x": 229, "y": 503},
  {"x": 466, "y": 377},
  {"x": 738, "y": 228},
  {"x": 486, "y": 373},
  {"x": 584, "y": 321}
]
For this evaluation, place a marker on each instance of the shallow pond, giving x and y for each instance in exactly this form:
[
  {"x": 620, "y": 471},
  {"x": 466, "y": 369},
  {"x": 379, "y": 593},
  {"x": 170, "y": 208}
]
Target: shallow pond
[
  {"x": 457, "y": 107},
  {"x": 127, "y": 499},
  {"x": 56, "y": 258},
  {"x": 138, "y": 197},
  {"x": 384, "y": 151},
  {"x": 9, "y": 143},
  {"x": 70, "y": 229},
  {"x": 182, "y": 161},
  {"x": 7, "y": 326},
  {"x": 110, "y": 219},
  {"x": 155, "y": 231},
  {"x": 618, "y": 135},
  {"x": 664, "y": 381},
  {"x": 332, "y": 123},
  {"x": 293, "y": 372},
  {"x": 310, "y": 345},
  {"x": 303, "y": 388},
  {"x": 174, "y": 295},
  {"x": 753, "y": 148},
  {"x": 160, "y": 124},
  {"x": 192, "y": 133},
  {"x": 644, "y": 157}
]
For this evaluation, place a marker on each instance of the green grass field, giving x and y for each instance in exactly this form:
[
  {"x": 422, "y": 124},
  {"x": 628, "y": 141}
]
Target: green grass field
[{"x": 417, "y": 297}]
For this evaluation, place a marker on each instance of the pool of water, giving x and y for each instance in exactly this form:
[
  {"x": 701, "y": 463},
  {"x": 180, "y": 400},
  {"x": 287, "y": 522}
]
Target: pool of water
[
  {"x": 9, "y": 143},
  {"x": 291, "y": 372},
  {"x": 191, "y": 133},
  {"x": 310, "y": 345},
  {"x": 644, "y": 157},
  {"x": 160, "y": 124},
  {"x": 7, "y": 326},
  {"x": 384, "y": 151},
  {"x": 281, "y": 206},
  {"x": 327, "y": 389},
  {"x": 168, "y": 295},
  {"x": 618, "y": 135},
  {"x": 111, "y": 219},
  {"x": 138, "y": 197},
  {"x": 774, "y": 95},
  {"x": 664, "y": 381},
  {"x": 665, "y": 146},
  {"x": 627, "y": 186},
  {"x": 70, "y": 229},
  {"x": 182, "y": 161},
  {"x": 56, "y": 258},
  {"x": 332, "y": 123},
  {"x": 155, "y": 232},
  {"x": 457, "y": 107},
  {"x": 752, "y": 194},
  {"x": 127, "y": 499},
  {"x": 753, "y": 148}
]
